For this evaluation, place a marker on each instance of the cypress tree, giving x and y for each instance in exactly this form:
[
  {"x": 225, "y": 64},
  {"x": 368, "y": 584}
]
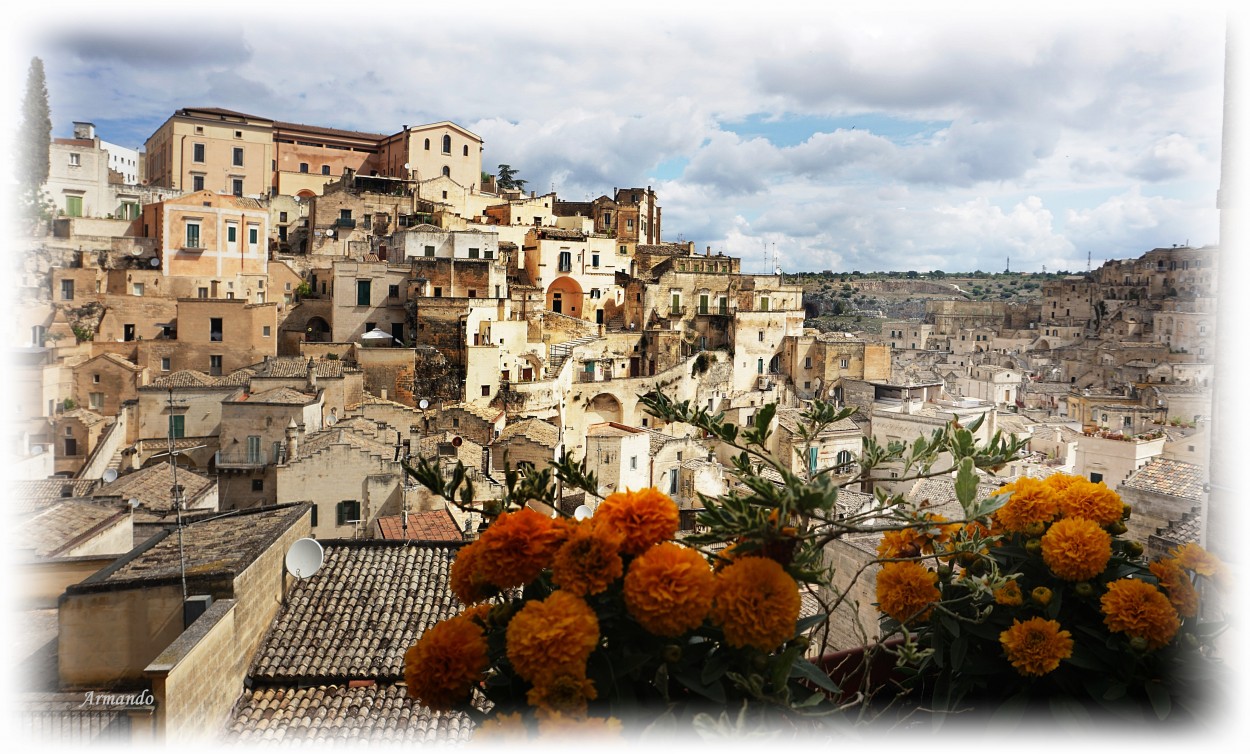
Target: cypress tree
[{"x": 35, "y": 135}]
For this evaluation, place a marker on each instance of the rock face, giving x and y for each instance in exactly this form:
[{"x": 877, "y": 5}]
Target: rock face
[{"x": 433, "y": 376}]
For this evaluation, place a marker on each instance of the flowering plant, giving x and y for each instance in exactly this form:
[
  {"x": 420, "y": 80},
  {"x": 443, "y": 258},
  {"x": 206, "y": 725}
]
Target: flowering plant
[
  {"x": 620, "y": 623},
  {"x": 1042, "y": 607}
]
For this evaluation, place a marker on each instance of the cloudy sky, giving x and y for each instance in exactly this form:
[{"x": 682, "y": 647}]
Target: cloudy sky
[{"x": 948, "y": 136}]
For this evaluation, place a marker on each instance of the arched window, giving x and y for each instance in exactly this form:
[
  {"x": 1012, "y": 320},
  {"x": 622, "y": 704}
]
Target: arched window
[
  {"x": 427, "y": 145},
  {"x": 446, "y": 171},
  {"x": 466, "y": 150},
  {"x": 447, "y": 144}
]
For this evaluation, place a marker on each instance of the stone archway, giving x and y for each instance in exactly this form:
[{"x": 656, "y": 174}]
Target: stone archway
[
  {"x": 317, "y": 330},
  {"x": 605, "y": 407},
  {"x": 564, "y": 296}
]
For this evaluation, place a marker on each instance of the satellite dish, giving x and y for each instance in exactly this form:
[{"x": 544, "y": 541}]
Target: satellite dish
[
  {"x": 330, "y": 233},
  {"x": 407, "y": 166},
  {"x": 304, "y": 558},
  {"x": 154, "y": 262},
  {"x": 110, "y": 476},
  {"x": 582, "y": 512},
  {"x": 36, "y": 450},
  {"x": 134, "y": 502},
  {"x": 424, "y": 404}
]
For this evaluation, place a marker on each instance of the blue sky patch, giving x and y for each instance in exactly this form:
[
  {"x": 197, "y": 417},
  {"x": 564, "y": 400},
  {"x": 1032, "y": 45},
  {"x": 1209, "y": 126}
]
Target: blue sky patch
[{"x": 791, "y": 130}]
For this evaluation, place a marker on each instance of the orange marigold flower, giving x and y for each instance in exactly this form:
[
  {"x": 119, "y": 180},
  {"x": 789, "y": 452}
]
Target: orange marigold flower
[
  {"x": 588, "y": 561},
  {"x": 1036, "y": 646},
  {"x": 445, "y": 664},
  {"x": 1138, "y": 609},
  {"x": 1092, "y": 500},
  {"x": 1199, "y": 561},
  {"x": 906, "y": 590},
  {"x": 756, "y": 603},
  {"x": 1076, "y": 549},
  {"x": 552, "y": 636},
  {"x": 557, "y": 725},
  {"x": 1009, "y": 594},
  {"x": 516, "y": 547},
  {"x": 468, "y": 581},
  {"x": 1031, "y": 502},
  {"x": 900, "y": 543},
  {"x": 567, "y": 693},
  {"x": 1179, "y": 587},
  {"x": 643, "y": 518},
  {"x": 1041, "y": 596},
  {"x": 668, "y": 589},
  {"x": 1059, "y": 482},
  {"x": 506, "y": 727}
]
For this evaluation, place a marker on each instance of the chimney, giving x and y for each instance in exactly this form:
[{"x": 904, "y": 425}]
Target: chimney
[
  {"x": 708, "y": 253},
  {"x": 292, "y": 440}
]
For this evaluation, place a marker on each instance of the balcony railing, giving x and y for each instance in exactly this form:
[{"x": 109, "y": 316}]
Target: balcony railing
[
  {"x": 241, "y": 459},
  {"x": 345, "y": 222}
]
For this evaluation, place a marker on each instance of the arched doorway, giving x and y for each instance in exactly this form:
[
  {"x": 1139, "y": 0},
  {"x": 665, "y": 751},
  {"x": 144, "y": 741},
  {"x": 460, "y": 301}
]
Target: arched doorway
[
  {"x": 604, "y": 407},
  {"x": 564, "y": 296},
  {"x": 317, "y": 330}
]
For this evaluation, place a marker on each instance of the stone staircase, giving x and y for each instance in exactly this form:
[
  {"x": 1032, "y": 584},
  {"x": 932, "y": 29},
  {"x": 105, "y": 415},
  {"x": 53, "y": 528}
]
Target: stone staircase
[{"x": 558, "y": 352}]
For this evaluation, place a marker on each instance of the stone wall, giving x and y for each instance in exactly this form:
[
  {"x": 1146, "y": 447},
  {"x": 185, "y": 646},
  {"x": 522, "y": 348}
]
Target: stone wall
[
  {"x": 198, "y": 678},
  {"x": 855, "y": 622}
]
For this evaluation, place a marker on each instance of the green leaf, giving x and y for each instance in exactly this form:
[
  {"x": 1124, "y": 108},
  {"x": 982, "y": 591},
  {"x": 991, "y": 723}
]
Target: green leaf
[
  {"x": 807, "y": 671},
  {"x": 714, "y": 691},
  {"x": 966, "y": 483},
  {"x": 1160, "y": 699}
]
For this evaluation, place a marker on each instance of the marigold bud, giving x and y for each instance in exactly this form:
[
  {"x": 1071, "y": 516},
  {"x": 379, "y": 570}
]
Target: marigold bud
[
  {"x": 671, "y": 653},
  {"x": 1139, "y": 643},
  {"x": 1084, "y": 589},
  {"x": 1134, "y": 549},
  {"x": 1033, "y": 546},
  {"x": 1127, "y": 511},
  {"x": 1035, "y": 529},
  {"x": 1117, "y": 528}
]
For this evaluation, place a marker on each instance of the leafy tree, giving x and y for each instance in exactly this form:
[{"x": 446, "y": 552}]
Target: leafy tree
[
  {"x": 507, "y": 178},
  {"x": 36, "y": 129}
]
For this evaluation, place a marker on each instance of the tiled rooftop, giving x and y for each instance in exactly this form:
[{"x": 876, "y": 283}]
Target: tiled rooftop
[
  {"x": 1168, "y": 477},
  {"x": 61, "y": 525},
  {"x": 297, "y": 367},
  {"x": 339, "y": 714},
  {"x": 535, "y": 430},
  {"x": 792, "y": 418},
  {"x": 192, "y": 378},
  {"x": 153, "y": 486},
  {"x": 220, "y": 544},
  {"x": 485, "y": 413},
  {"x": 84, "y": 415},
  {"x": 359, "y": 613},
  {"x": 280, "y": 395},
  {"x": 344, "y": 436},
  {"x": 424, "y": 526},
  {"x": 34, "y": 493}
]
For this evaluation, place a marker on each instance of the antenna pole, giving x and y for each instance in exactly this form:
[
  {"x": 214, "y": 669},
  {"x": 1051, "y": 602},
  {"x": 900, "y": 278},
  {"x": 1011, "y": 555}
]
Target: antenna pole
[{"x": 176, "y": 494}]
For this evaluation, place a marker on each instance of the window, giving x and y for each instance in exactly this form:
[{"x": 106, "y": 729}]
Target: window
[
  {"x": 202, "y": 292},
  {"x": 264, "y": 331},
  {"x": 75, "y": 160},
  {"x": 67, "y": 290},
  {"x": 472, "y": 293},
  {"x": 565, "y": 263},
  {"x": 844, "y": 363},
  {"x": 633, "y": 463},
  {"x": 427, "y": 145},
  {"x": 95, "y": 401},
  {"x": 844, "y": 461},
  {"x": 136, "y": 289},
  {"x": 446, "y": 144},
  {"x": 1128, "y": 422},
  {"x": 466, "y": 150},
  {"x": 197, "y": 152},
  {"x": 485, "y": 391},
  {"x": 165, "y": 363},
  {"x": 1095, "y": 477},
  {"x": 447, "y": 173},
  {"x": 71, "y": 445},
  {"x": 807, "y": 362},
  {"x": 438, "y": 292},
  {"x": 258, "y": 485},
  {"x": 73, "y": 206},
  {"x": 128, "y": 332},
  {"x": 253, "y": 449},
  {"x": 473, "y": 253},
  {"x": 303, "y": 167},
  {"x": 346, "y": 512},
  {"x": 281, "y": 217},
  {"x": 253, "y": 236},
  {"x": 675, "y": 302},
  {"x": 177, "y": 426},
  {"x": 392, "y": 291},
  {"x": 363, "y": 292},
  {"x": 214, "y": 329},
  {"x": 488, "y": 253},
  {"x": 237, "y": 189},
  {"x": 325, "y": 169},
  {"x": 763, "y": 303},
  {"x": 623, "y": 250},
  {"x": 214, "y": 365},
  {"x": 232, "y": 233},
  {"x": 629, "y": 224},
  {"x": 761, "y": 336},
  {"x": 594, "y": 260},
  {"x": 759, "y": 366},
  {"x": 238, "y": 156},
  {"x": 429, "y": 251}
]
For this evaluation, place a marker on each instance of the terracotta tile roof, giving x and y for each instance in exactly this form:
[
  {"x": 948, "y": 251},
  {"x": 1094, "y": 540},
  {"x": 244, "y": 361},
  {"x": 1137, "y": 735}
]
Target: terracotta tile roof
[
  {"x": 792, "y": 418},
  {"x": 237, "y": 378},
  {"x": 424, "y": 526},
  {"x": 1168, "y": 477},
  {"x": 328, "y": 131},
  {"x": 344, "y": 436},
  {"x": 37, "y": 492},
  {"x": 219, "y": 111},
  {"x": 561, "y": 234},
  {"x": 63, "y": 524},
  {"x": 359, "y": 613},
  {"x": 279, "y": 395},
  {"x": 220, "y": 544},
  {"x": 84, "y": 415},
  {"x": 534, "y": 430},
  {"x": 113, "y": 358},
  {"x": 337, "y": 713},
  {"x": 485, "y": 413},
  {"x": 152, "y": 486},
  {"x": 184, "y": 378}
]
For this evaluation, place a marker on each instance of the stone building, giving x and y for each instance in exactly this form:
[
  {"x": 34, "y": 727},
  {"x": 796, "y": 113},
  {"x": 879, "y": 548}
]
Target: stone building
[{"x": 104, "y": 382}]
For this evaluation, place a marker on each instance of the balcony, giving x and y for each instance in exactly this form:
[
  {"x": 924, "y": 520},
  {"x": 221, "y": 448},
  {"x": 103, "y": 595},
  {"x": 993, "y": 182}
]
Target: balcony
[
  {"x": 241, "y": 459},
  {"x": 345, "y": 222}
]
